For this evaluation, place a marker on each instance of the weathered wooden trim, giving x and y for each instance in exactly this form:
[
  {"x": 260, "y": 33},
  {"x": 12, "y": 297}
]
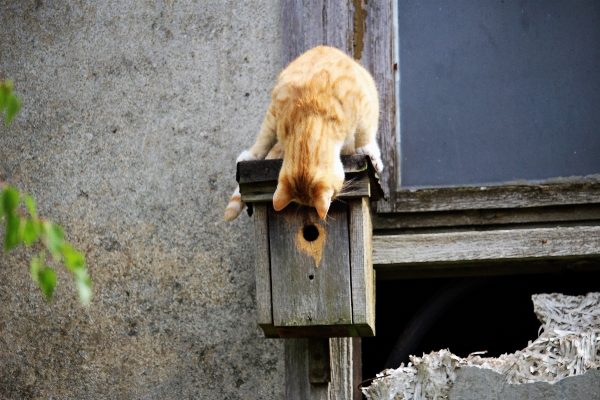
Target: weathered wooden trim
[
  {"x": 460, "y": 247},
  {"x": 268, "y": 170},
  {"x": 494, "y": 197},
  {"x": 262, "y": 269},
  {"x": 342, "y": 369},
  {"x": 258, "y": 179},
  {"x": 263, "y": 192},
  {"x": 534, "y": 215},
  {"x": 379, "y": 59},
  {"x": 363, "y": 293}
]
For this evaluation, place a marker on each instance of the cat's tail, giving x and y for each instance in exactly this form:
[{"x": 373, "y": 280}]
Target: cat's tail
[{"x": 235, "y": 206}]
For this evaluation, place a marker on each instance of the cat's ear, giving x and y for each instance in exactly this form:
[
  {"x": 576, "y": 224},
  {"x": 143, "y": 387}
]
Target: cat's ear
[
  {"x": 322, "y": 203},
  {"x": 281, "y": 197}
]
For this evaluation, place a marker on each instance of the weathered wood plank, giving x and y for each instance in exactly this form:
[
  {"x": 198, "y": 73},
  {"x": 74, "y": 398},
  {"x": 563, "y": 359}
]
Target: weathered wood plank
[
  {"x": 319, "y": 360},
  {"x": 494, "y": 197},
  {"x": 268, "y": 170},
  {"x": 356, "y": 368},
  {"x": 263, "y": 191},
  {"x": 292, "y": 32},
  {"x": 363, "y": 301},
  {"x": 379, "y": 35},
  {"x": 342, "y": 369},
  {"x": 314, "y": 31},
  {"x": 262, "y": 269},
  {"x": 310, "y": 279},
  {"x": 337, "y": 25},
  {"x": 297, "y": 384},
  {"x": 486, "y": 245},
  {"x": 345, "y": 371},
  {"x": 400, "y": 221}
]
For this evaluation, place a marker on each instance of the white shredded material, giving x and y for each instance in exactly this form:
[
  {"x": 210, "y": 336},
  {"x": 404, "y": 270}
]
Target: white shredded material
[{"x": 568, "y": 346}]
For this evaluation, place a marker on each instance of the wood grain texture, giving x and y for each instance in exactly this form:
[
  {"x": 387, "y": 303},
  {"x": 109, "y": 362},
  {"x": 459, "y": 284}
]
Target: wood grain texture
[
  {"x": 268, "y": 170},
  {"x": 292, "y": 32},
  {"x": 359, "y": 186},
  {"x": 262, "y": 270},
  {"x": 499, "y": 216},
  {"x": 338, "y": 25},
  {"x": 314, "y": 31},
  {"x": 380, "y": 54},
  {"x": 486, "y": 245},
  {"x": 342, "y": 369},
  {"x": 363, "y": 299},
  {"x": 319, "y": 360},
  {"x": 297, "y": 384},
  {"x": 304, "y": 295},
  {"x": 494, "y": 197}
]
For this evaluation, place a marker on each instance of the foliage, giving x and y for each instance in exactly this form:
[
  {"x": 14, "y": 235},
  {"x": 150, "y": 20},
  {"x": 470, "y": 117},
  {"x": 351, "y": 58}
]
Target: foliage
[
  {"x": 27, "y": 228},
  {"x": 8, "y": 101}
]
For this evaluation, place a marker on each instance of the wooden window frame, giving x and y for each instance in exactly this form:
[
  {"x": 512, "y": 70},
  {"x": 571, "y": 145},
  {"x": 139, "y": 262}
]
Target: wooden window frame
[{"x": 367, "y": 30}]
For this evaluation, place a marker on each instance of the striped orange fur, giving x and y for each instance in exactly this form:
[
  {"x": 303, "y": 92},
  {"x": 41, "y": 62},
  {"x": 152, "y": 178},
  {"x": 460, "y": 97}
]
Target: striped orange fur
[{"x": 324, "y": 104}]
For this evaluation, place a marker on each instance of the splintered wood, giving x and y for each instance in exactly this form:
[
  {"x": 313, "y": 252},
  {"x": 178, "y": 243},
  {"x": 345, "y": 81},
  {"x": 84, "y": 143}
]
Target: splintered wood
[{"x": 568, "y": 346}]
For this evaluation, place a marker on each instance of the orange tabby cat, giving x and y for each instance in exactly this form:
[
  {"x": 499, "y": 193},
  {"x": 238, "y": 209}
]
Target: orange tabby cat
[{"x": 324, "y": 104}]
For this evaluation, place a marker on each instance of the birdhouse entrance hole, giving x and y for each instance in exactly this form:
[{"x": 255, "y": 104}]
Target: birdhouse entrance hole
[{"x": 310, "y": 233}]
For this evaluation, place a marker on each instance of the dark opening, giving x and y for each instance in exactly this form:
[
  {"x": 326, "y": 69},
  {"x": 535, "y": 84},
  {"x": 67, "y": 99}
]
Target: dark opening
[
  {"x": 497, "y": 316},
  {"x": 310, "y": 233},
  {"x": 311, "y": 277}
]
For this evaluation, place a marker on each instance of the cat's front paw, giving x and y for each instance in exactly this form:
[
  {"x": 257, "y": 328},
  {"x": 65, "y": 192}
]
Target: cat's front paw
[
  {"x": 372, "y": 150},
  {"x": 246, "y": 156}
]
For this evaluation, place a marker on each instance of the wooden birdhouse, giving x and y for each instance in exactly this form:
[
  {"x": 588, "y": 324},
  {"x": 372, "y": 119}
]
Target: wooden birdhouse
[{"x": 314, "y": 278}]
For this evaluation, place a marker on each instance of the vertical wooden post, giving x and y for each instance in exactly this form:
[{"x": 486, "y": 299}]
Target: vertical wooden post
[{"x": 345, "y": 371}]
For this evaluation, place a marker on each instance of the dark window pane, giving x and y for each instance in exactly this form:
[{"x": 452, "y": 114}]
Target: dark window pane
[{"x": 498, "y": 91}]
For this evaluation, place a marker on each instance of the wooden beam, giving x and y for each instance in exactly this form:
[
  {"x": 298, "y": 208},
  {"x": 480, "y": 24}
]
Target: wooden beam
[
  {"x": 499, "y": 216},
  {"x": 345, "y": 371},
  {"x": 451, "y": 248},
  {"x": 363, "y": 291},
  {"x": 493, "y": 197},
  {"x": 379, "y": 59},
  {"x": 262, "y": 269}
]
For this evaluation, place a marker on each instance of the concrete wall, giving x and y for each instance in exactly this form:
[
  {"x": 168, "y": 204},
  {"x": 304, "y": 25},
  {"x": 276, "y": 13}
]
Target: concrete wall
[{"x": 134, "y": 113}]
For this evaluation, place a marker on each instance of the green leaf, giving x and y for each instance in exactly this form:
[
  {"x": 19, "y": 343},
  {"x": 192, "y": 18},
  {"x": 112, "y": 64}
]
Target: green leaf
[
  {"x": 31, "y": 231},
  {"x": 13, "y": 105},
  {"x": 10, "y": 200},
  {"x": 84, "y": 287},
  {"x": 54, "y": 238},
  {"x": 74, "y": 260},
  {"x": 12, "y": 236},
  {"x": 47, "y": 281},
  {"x": 5, "y": 89},
  {"x": 30, "y": 203},
  {"x": 36, "y": 265}
]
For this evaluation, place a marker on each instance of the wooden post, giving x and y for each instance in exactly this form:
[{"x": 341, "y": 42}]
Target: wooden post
[{"x": 345, "y": 364}]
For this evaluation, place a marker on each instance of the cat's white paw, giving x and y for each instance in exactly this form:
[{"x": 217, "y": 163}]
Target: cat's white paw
[
  {"x": 372, "y": 150},
  {"x": 246, "y": 156}
]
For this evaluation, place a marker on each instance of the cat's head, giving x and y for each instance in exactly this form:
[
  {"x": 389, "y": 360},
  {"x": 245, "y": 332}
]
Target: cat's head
[{"x": 310, "y": 185}]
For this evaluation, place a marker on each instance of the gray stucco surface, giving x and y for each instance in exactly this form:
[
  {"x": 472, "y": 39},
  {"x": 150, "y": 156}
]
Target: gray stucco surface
[
  {"x": 134, "y": 113},
  {"x": 474, "y": 383}
]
